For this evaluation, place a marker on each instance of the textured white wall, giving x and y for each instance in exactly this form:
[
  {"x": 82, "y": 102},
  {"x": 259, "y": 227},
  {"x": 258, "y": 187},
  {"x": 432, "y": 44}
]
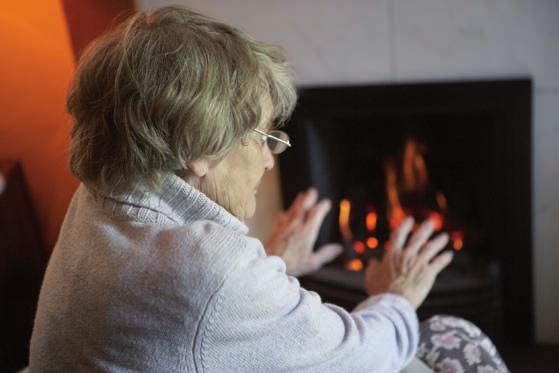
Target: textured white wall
[{"x": 375, "y": 41}]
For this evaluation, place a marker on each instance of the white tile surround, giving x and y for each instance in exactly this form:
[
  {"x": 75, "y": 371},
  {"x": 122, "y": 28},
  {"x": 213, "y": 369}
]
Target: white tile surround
[{"x": 371, "y": 41}]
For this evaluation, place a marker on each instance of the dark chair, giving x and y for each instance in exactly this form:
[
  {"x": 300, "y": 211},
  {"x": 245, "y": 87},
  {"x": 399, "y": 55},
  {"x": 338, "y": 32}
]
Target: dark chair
[{"x": 22, "y": 263}]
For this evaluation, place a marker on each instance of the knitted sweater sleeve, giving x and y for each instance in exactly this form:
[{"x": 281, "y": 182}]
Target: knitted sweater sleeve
[{"x": 261, "y": 320}]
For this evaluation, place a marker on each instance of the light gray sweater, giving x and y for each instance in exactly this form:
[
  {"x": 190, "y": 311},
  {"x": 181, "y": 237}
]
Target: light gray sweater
[{"x": 169, "y": 282}]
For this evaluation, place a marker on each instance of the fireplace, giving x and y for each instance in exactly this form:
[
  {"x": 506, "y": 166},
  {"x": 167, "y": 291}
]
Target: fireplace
[{"x": 458, "y": 153}]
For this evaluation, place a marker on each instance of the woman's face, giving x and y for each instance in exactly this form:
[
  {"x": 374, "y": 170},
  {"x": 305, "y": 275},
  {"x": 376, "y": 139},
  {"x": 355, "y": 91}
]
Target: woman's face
[{"x": 233, "y": 181}]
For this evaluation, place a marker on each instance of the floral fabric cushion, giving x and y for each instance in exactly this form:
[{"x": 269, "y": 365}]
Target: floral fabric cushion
[{"x": 453, "y": 345}]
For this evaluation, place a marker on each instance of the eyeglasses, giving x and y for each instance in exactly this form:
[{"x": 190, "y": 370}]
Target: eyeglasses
[{"x": 277, "y": 141}]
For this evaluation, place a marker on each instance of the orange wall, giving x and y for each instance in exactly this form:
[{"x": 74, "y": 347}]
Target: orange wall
[
  {"x": 87, "y": 19},
  {"x": 36, "y": 64}
]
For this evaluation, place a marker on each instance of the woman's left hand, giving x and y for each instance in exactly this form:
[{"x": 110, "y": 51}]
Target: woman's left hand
[{"x": 295, "y": 231}]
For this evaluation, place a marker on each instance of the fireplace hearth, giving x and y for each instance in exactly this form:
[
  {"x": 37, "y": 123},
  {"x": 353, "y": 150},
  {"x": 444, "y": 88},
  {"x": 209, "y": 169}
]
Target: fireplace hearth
[{"x": 458, "y": 153}]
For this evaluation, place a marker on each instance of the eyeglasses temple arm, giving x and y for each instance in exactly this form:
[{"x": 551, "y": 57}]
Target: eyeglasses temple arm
[{"x": 273, "y": 137}]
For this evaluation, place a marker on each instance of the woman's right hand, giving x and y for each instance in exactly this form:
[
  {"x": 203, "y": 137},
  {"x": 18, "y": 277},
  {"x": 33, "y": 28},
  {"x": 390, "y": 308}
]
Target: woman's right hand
[{"x": 409, "y": 270}]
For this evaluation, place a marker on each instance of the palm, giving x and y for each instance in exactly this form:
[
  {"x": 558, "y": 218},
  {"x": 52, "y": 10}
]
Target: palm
[{"x": 295, "y": 231}]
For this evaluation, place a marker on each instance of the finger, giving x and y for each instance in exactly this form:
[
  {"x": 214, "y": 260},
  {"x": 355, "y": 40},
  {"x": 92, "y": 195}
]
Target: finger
[
  {"x": 432, "y": 248},
  {"x": 397, "y": 240},
  {"x": 392, "y": 259},
  {"x": 304, "y": 201},
  {"x": 399, "y": 236},
  {"x": 328, "y": 252},
  {"x": 394, "y": 254},
  {"x": 296, "y": 205},
  {"x": 440, "y": 262},
  {"x": 280, "y": 221},
  {"x": 316, "y": 217},
  {"x": 311, "y": 196},
  {"x": 418, "y": 239},
  {"x": 324, "y": 255}
]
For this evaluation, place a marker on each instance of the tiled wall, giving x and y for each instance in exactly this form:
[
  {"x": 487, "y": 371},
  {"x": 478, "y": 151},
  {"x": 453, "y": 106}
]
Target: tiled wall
[{"x": 359, "y": 41}]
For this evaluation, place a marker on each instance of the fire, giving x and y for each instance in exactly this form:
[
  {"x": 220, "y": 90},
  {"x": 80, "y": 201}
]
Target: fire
[
  {"x": 359, "y": 247},
  {"x": 441, "y": 201},
  {"x": 457, "y": 238},
  {"x": 397, "y": 217},
  {"x": 414, "y": 170},
  {"x": 345, "y": 209},
  {"x": 407, "y": 194},
  {"x": 396, "y": 214},
  {"x": 410, "y": 184},
  {"x": 371, "y": 221},
  {"x": 437, "y": 219},
  {"x": 413, "y": 179},
  {"x": 372, "y": 242},
  {"x": 354, "y": 265}
]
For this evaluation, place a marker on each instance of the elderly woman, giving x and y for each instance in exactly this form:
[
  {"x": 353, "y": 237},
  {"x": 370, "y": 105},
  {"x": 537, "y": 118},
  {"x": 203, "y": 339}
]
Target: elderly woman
[{"x": 175, "y": 124}]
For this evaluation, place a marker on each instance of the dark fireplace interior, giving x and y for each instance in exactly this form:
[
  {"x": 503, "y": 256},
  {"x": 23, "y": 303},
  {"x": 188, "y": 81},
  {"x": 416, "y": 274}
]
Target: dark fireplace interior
[{"x": 458, "y": 153}]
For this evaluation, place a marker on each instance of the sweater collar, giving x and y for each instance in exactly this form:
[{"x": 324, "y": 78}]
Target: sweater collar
[{"x": 175, "y": 199}]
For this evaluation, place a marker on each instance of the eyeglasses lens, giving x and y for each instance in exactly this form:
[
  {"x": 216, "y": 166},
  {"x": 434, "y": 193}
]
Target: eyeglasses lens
[{"x": 275, "y": 146}]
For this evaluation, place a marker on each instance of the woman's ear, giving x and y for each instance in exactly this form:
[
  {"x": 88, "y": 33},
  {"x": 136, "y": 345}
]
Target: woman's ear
[{"x": 199, "y": 168}]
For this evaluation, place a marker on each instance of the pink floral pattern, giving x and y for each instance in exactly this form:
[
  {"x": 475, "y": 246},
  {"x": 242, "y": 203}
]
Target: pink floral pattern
[
  {"x": 449, "y": 365},
  {"x": 486, "y": 369},
  {"x": 454, "y": 345},
  {"x": 472, "y": 354},
  {"x": 437, "y": 326},
  {"x": 458, "y": 323},
  {"x": 447, "y": 340}
]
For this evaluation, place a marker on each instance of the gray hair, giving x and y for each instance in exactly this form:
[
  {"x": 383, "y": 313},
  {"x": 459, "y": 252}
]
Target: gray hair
[{"x": 167, "y": 88}]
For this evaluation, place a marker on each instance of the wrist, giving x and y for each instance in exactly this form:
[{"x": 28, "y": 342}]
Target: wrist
[{"x": 405, "y": 294}]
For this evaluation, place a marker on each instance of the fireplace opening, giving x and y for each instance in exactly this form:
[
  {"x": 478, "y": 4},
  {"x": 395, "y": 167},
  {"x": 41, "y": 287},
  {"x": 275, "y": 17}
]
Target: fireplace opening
[{"x": 458, "y": 153}]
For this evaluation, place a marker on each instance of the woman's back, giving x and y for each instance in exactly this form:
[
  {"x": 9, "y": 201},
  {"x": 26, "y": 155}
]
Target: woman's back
[
  {"x": 146, "y": 284},
  {"x": 126, "y": 285}
]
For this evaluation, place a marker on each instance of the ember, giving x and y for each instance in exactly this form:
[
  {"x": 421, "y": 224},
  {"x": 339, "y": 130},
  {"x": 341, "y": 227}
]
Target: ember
[{"x": 408, "y": 193}]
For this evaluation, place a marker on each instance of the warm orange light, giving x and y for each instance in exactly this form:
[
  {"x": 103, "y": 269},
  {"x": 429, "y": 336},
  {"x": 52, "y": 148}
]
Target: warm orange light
[
  {"x": 437, "y": 219},
  {"x": 414, "y": 171},
  {"x": 34, "y": 128},
  {"x": 405, "y": 177},
  {"x": 457, "y": 238},
  {"x": 372, "y": 243},
  {"x": 397, "y": 217},
  {"x": 441, "y": 201},
  {"x": 396, "y": 214},
  {"x": 345, "y": 209},
  {"x": 354, "y": 265},
  {"x": 371, "y": 221},
  {"x": 359, "y": 247}
]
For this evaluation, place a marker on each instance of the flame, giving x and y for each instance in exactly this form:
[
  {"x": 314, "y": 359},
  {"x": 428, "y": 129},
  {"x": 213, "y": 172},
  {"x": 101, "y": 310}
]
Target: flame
[
  {"x": 372, "y": 242},
  {"x": 412, "y": 179},
  {"x": 414, "y": 170},
  {"x": 354, "y": 265},
  {"x": 396, "y": 214},
  {"x": 457, "y": 238},
  {"x": 441, "y": 201},
  {"x": 359, "y": 247},
  {"x": 437, "y": 219},
  {"x": 345, "y": 209},
  {"x": 371, "y": 221}
]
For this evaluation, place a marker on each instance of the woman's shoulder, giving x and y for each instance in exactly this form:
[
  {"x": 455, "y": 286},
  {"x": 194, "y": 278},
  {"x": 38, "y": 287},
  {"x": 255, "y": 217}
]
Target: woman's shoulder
[
  {"x": 208, "y": 247},
  {"x": 206, "y": 237}
]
